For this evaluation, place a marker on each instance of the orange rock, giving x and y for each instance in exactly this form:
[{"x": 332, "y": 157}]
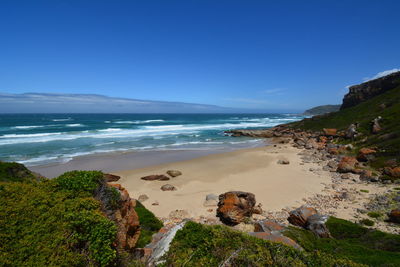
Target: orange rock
[
  {"x": 330, "y": 132},
  {"x": 365, "y": 154},
  {"x": 235, "y": 206},
  {"x": 347, "y": 164},
  {"x": 393, "y": 172},
  {"x": 300, "y": 215},
  {"x": 267, "y": 226}
]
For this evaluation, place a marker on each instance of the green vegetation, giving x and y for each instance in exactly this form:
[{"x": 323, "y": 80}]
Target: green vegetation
[
  {"x": 374, "y": 214},
  {"x": 396, "y": 188},
  {"x": 367, "y": 222},
  {"x": 149, "y": 224},
  {"x": 201, "y": 245},
  {"x": 387, "y": 141},
  {"x": 352, "y": 241},
  {"x": 319, "y": 110},
  {"x": 54, "y": 222},
  {"x": 14, "y": 172},
  {"x": 364, "y": 191}
]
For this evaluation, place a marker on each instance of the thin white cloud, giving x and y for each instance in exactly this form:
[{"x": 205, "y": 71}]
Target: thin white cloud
[
  {"x": 273, "y": 91},
  {"x": 381, "y": 74}
]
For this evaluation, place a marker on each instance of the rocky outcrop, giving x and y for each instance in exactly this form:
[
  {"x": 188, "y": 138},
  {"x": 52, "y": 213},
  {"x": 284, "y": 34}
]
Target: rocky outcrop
[
  {"x": 235, "y": 206},
  {"x": 394, "y": 216},
  {"x": 366, "y": 154},
  {"x": 300, "y": 215},
  {"x": 347, "y": 164},
  {"x": 277, "y": 238},
  {"x": 251, "y": 133},
  {"x": 362, "y": 92},
  {"x": 126, "y": 220}
]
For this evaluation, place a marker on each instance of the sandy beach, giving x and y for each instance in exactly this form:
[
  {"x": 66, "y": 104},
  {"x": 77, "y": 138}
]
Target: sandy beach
[{"x": 255, "y": 170}]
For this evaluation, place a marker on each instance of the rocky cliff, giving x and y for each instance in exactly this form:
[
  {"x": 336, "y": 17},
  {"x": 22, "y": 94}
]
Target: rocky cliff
[{"x": 362, "y": 92}]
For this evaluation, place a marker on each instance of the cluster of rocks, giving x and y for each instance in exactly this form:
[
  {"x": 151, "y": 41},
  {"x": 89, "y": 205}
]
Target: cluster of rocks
[{"x": 163, "y": 177}]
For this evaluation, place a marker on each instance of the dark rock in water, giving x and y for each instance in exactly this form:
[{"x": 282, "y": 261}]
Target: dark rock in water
[
  {"x": 300, "y": 215},
  {"x": 168, "y": 187},
  {"x": 362, "y": 92},
  {"x": 159, "y": 177},
  {"x": 251, "y": 133},
  {"x": 111, "y": 177},
  {"x": 174, "y": 173},
  {"x": 394, "y": 216},
  {"x": 316, "y": 224},
  {"x": 235, "y": 206}
]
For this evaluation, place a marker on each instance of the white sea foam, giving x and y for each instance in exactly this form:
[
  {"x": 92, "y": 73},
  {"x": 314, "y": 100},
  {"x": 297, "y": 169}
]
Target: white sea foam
[
  {"x": 138, "y": 121},
  {"x": 28, "y": 127},
  {"x": 74, "y": 125},
  {"x": 67, "y": 119}
]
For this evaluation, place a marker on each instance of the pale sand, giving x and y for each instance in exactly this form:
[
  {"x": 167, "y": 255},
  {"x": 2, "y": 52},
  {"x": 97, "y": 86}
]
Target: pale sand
[{"x": 253, "y": 170}]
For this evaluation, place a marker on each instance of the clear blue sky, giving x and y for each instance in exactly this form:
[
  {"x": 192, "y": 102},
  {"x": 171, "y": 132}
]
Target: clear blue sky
[{"x": 276, "y": 55}]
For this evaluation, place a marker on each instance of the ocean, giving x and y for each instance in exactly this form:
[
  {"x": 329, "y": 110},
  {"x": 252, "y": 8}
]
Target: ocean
[{"x": 38, "y": 139}]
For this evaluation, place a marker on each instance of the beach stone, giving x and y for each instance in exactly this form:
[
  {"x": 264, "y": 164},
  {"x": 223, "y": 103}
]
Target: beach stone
[
  {"x": 168, "y": 187},
  {"x": 143, "y": 198},
  {"x": 283, "y": 162},
  {"x": 316, "y": 224},
  {"x": 211, "y": 200},
  {"x": 155, "y": 177},
  {"x": 174, "y": 173},
  {"x": 300, "y": 215},
  {"x": 235, "y": 206},
  {"x": 108, "y": 177},
  {"x": 155, "y": 203}
]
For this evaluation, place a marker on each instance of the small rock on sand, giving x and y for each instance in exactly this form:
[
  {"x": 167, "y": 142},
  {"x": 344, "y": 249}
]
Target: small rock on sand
[
  {"x": 283, "y": 161},
  {"x": 174, "y": 173},
  {"x": 168, "y": 187},
  {"x": 159, "y": 177},
  {"x": 143, "y": 198}
]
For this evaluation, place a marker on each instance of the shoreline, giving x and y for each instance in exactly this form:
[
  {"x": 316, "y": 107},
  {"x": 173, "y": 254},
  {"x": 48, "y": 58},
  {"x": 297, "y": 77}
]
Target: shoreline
[
  {"x": 254, "y": 170},
  {"x": 128, "y": 160}
]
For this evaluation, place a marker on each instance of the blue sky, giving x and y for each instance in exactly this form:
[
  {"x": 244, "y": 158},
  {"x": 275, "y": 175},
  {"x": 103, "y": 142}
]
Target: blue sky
[{"x": 272, "y": 55}]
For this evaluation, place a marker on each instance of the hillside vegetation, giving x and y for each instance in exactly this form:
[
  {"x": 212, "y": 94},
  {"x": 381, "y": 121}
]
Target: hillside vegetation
[
  {"x": 319, "y": 110},
  {"x": 386, "y": 105}
]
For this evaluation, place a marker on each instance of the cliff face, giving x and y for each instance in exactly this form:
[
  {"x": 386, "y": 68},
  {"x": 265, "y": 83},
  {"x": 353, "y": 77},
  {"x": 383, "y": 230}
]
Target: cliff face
[{"x": 362, "y": 92}]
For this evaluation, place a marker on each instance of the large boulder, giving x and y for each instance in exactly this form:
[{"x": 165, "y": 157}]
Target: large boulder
[
  {"x": 155, "y": 177},
  {"x": 277, "y": 238},
  {"x": 316, "y": 224},
  {"x": 235, "y": 206},
  {"x": 300, "y": 215},
  {"x": 268, "y": 226},
  {"x": 347, "y": 164}
]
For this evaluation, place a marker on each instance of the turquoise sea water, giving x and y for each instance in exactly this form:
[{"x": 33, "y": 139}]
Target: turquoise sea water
[{"x": 36, "y": 139}]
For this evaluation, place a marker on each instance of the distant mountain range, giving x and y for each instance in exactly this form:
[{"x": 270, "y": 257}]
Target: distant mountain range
[
  {"x": 319, "y": 110},
  {"x": 91, "y": 103}
]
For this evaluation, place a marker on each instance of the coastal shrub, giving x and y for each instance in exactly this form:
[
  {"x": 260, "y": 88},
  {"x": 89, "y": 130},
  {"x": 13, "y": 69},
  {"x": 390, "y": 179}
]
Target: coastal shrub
[
  {"x": 149, "y": 225},
  {"x": 352, "y": 241},
  {"x": 367, "y": 222},
  {"x": 55, "y": 223},
  {"x": 14, "y": 172},
  {"x": 374, "y": 214},
  {"x": 202, "y": 245}
]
